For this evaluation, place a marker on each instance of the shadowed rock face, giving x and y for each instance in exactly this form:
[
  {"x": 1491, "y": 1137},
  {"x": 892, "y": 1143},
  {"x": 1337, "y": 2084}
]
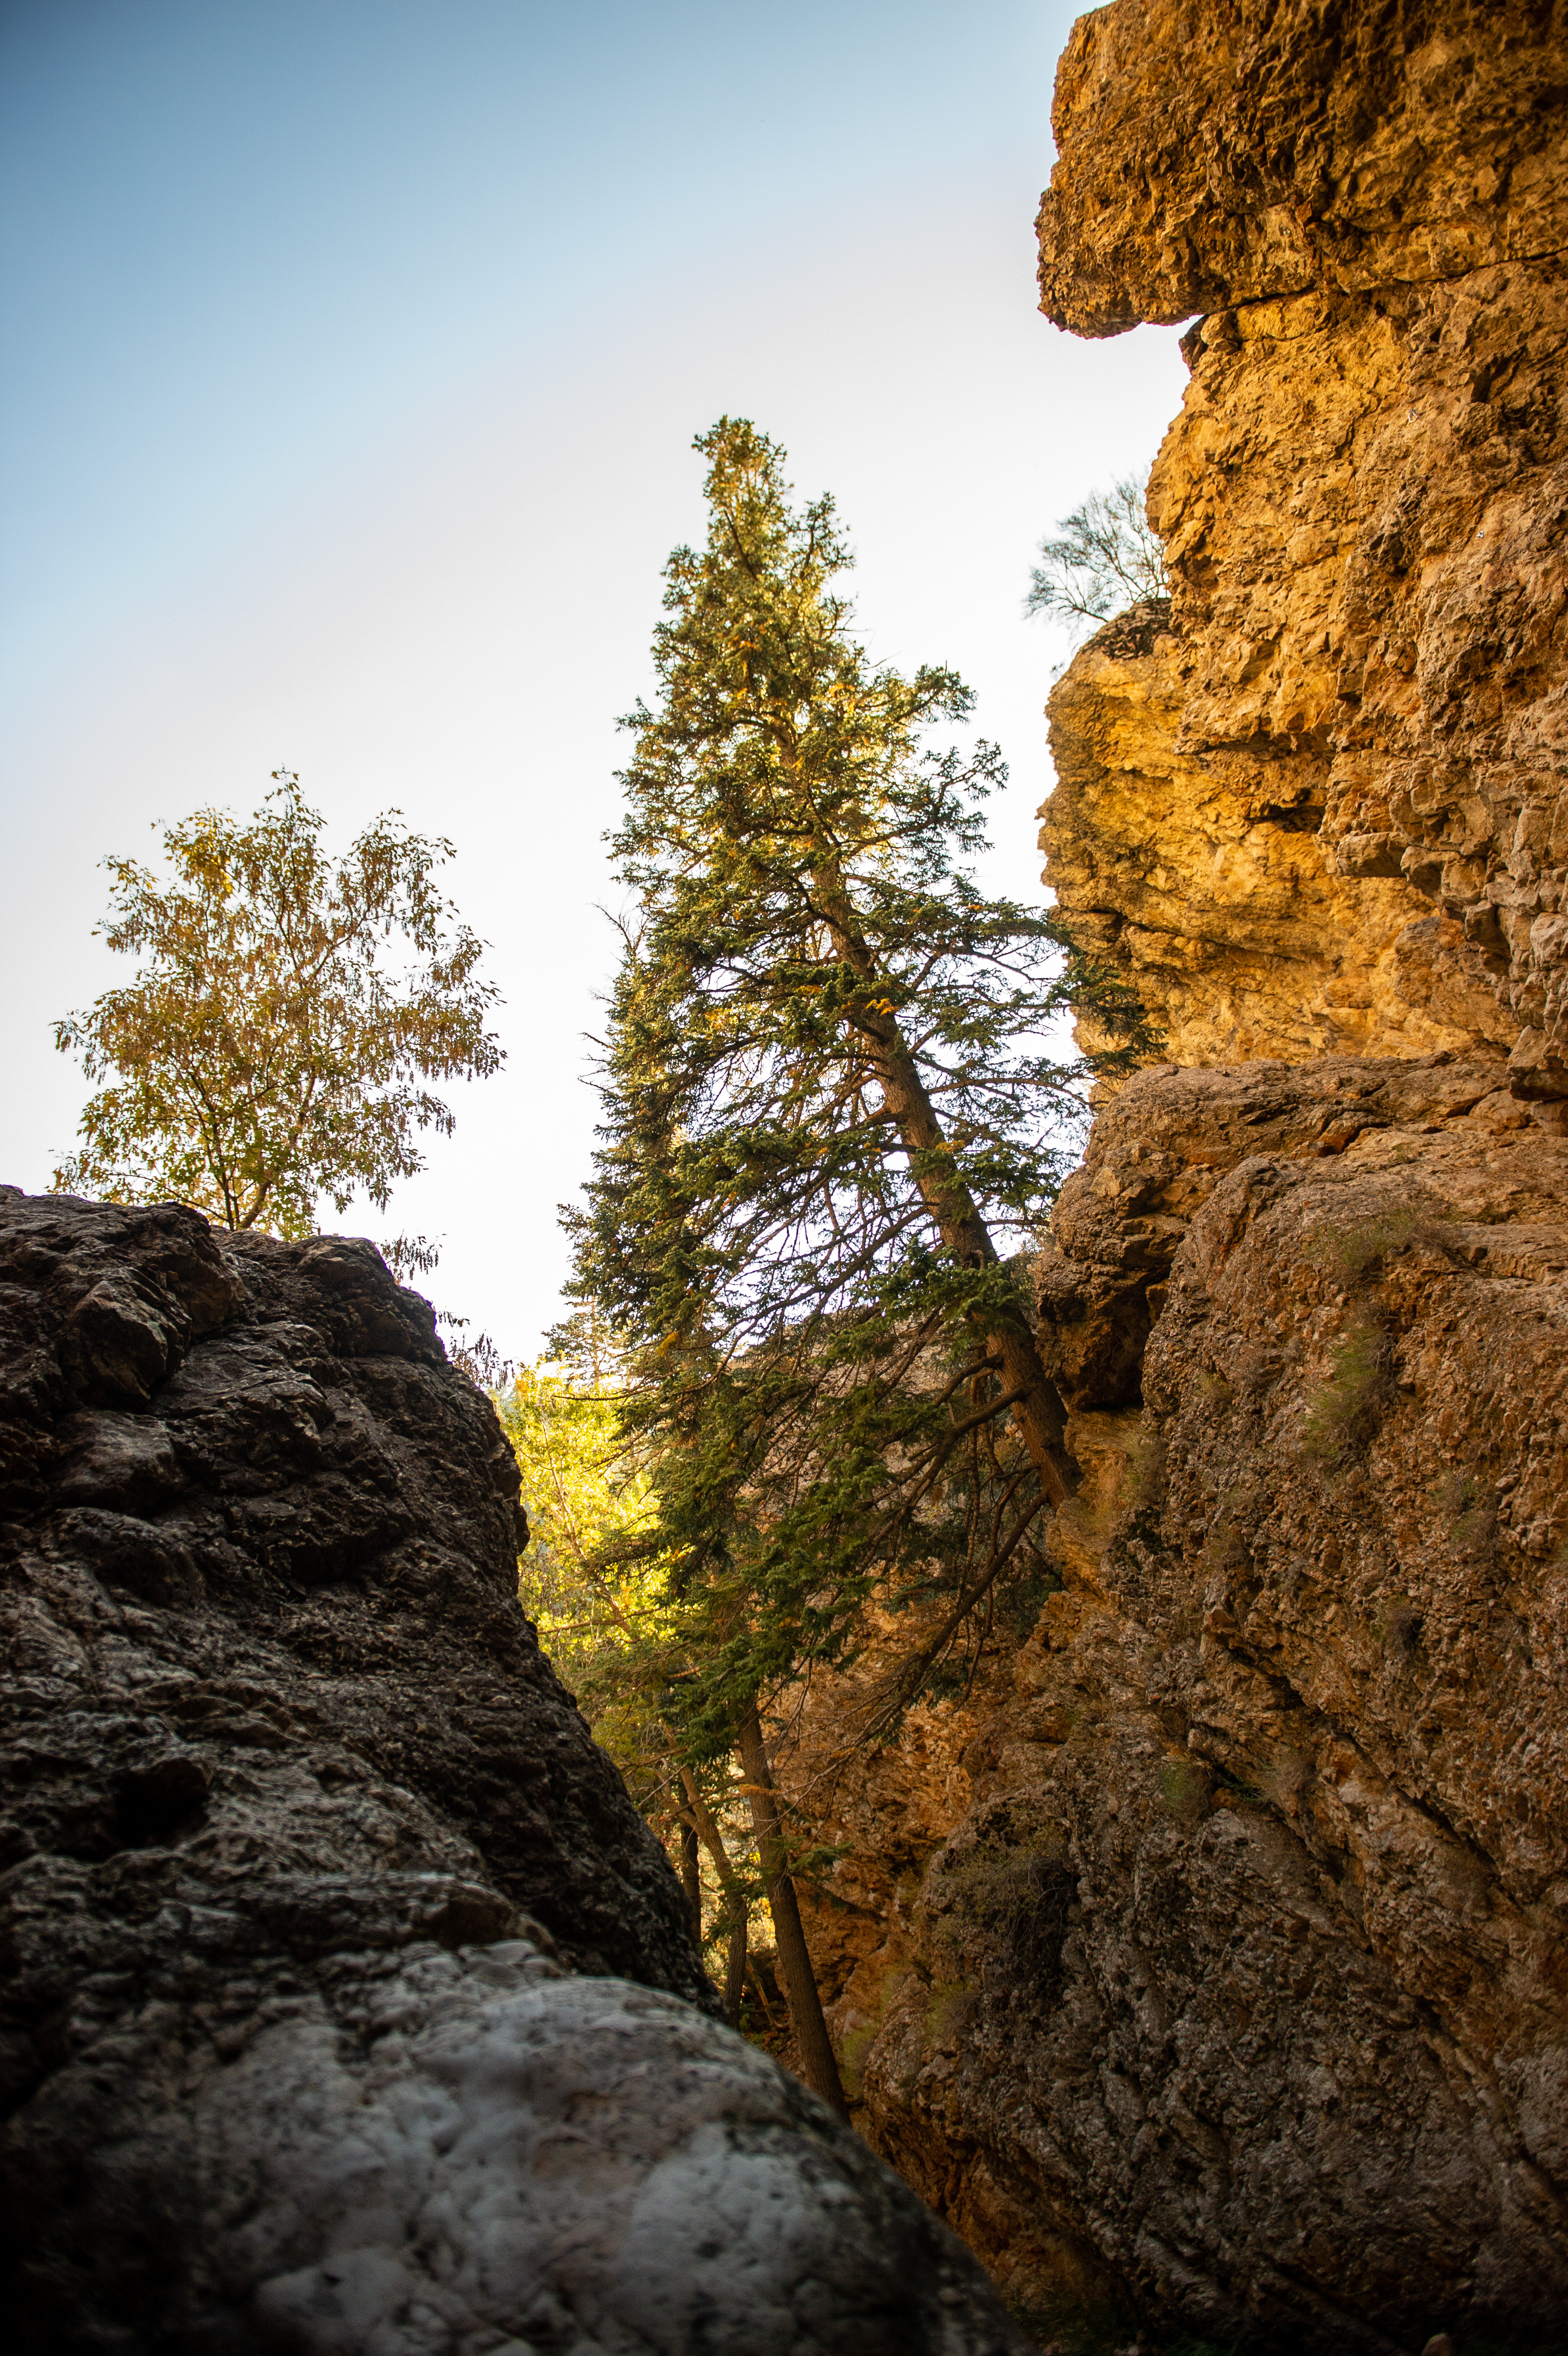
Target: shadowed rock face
[
  {"x": 305, "y": 1854},
  {"x": 1227, "y": 1971}
]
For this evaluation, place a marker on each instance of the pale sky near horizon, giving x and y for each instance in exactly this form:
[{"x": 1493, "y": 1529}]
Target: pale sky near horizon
[{"x": 355, "y": 356}]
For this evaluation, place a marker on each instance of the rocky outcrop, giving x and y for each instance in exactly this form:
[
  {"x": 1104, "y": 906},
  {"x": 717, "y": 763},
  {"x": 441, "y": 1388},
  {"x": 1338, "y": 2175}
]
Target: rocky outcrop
[
  {"x": 1153, "y": 1161},
  {"x": 1221, "y": 152},
  {"x": 1205, "y": 1957},
  {"x": 347, "y": 2004},
  {"x": 1323, "y": 808},
  {"x": 1201, "y": 873},
  {"x": 1227, "y": 1978}
]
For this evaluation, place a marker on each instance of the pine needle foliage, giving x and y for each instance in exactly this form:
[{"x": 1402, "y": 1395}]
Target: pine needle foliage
[
  {"x": 830, "y": 1083},
  {"x": 273, "y": 1044}
]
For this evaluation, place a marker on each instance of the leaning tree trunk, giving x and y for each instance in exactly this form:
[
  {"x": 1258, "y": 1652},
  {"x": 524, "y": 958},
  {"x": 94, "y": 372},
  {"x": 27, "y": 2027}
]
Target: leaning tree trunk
[
  {"x": 1037, "y": 1409},
  {"x": 801, "y": 1995},
  {"x": 735, "y": 1965}
]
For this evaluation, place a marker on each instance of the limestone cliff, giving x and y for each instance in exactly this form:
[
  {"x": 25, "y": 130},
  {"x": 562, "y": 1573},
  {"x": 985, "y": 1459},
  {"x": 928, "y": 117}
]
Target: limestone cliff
[
  {"x": 347, "y": 2004},
  {"x": 1206, "y": 1958},
  {"x": 1322, "y": 809}
]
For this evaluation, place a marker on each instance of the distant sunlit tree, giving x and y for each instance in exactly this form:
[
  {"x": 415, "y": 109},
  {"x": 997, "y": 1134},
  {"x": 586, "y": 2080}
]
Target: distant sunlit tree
[
  {"x": 275, "y": 1046},
  {"x": 1104, "y": 557}
]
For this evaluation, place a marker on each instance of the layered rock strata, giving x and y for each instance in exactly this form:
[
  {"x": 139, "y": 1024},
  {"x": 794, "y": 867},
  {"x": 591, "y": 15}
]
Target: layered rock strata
[
  {"x": 347, "y": 2003},
  {"x": 1322, "y": 808}
]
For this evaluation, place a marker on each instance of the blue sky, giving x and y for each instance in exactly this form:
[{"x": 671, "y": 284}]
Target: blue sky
[{"x": 354, "y": 356}]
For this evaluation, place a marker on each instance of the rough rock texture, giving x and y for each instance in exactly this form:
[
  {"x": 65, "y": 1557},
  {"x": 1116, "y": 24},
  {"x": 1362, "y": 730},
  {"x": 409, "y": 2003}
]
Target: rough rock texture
[
  {"x": 1207, "y": 1956},
  {"x": 1349, "y": 738},
  {"x": 1202, "y": 874},
  {"x": 304, "y": 1851},
  {"x": 1216, "y": 151},
  {"x": 1152, "y": 1161},
  {"x": 1239, "y": 1983}
]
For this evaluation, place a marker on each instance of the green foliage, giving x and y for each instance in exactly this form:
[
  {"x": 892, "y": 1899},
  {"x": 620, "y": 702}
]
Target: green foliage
[
  {"x": 829, "y": 1077},
  {"x": 856, "y": 2049},
  {"x": 596, "y": 1587},
  {"x": 951, "y": 2003},
  {"x": 589, "y": 1580},
  {"x": 1104, "y": 557},
  {"x": 1364, "y": 1243},
  {"x": 1021, "y": 1602},
  {"x": 267, "y": 1052},
  {"x": 1018, "y": 1893},
  {"x": 1184, "y": 1789}
]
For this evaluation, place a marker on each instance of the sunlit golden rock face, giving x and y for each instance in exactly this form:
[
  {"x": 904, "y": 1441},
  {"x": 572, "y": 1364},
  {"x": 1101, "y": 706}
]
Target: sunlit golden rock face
[
  {"x": 1326, "y": 811},
  {"x": 1204, "y": 879},
  {"x": 1221, "y": 152}
]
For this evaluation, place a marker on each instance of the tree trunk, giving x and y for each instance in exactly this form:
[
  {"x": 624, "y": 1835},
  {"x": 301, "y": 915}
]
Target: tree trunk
[
  {"x": 801, "y": 1995},
  {"x": 1039, "y": 1412},
  {"x": 691, "y": 1878},
  {"x": 735, "y": 1967},
  {"x": 734, "y": 1901}
]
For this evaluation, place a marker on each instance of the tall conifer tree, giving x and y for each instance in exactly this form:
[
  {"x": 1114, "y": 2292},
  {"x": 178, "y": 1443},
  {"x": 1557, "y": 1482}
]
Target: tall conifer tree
[{"x": 831, "y": 1096}]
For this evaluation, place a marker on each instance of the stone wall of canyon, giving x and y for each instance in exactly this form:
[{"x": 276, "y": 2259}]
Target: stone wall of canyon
[
  {"x": 348, "y": 2006},
  {"x": 1207, "y": 1959},
  {"x": 1321, "y": 809}
]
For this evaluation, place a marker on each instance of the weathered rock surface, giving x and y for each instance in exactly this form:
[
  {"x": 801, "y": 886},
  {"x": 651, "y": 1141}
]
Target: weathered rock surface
[
  {"x": 1202, "y": 874},
  {"x": 347, "y": 2004},
  {"x": 1153, "y": 1161},
  {"x": 1349, "y": 740},
  {"x": 1208, "y": 1954},
  {"x": 1238, "y": 1979},
  {"x": 1218, "y": 152}
]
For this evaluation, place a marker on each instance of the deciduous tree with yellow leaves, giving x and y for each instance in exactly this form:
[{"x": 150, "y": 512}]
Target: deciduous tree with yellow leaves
[{"x": 275, "y": 1043}]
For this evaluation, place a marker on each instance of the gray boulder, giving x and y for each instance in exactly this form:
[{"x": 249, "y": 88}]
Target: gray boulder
[{"x": 347, "y": 2004}]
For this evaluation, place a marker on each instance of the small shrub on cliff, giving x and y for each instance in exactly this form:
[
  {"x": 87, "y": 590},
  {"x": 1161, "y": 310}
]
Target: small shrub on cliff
[
  {"x": 268, "y": 1050},
  {"x": 1397, "y": 1628},
  {"x": 1286, "y": 1776},
  {"x": 1352, "y": 1250},
  {"x": 1186, "y": 1787},
  {"x": 1344, "y": 1412},
  {"x": 1016, "y": 1894},
  {"x": 855, "y": 2050},
  {"x": 1471, "y": 1504}
]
